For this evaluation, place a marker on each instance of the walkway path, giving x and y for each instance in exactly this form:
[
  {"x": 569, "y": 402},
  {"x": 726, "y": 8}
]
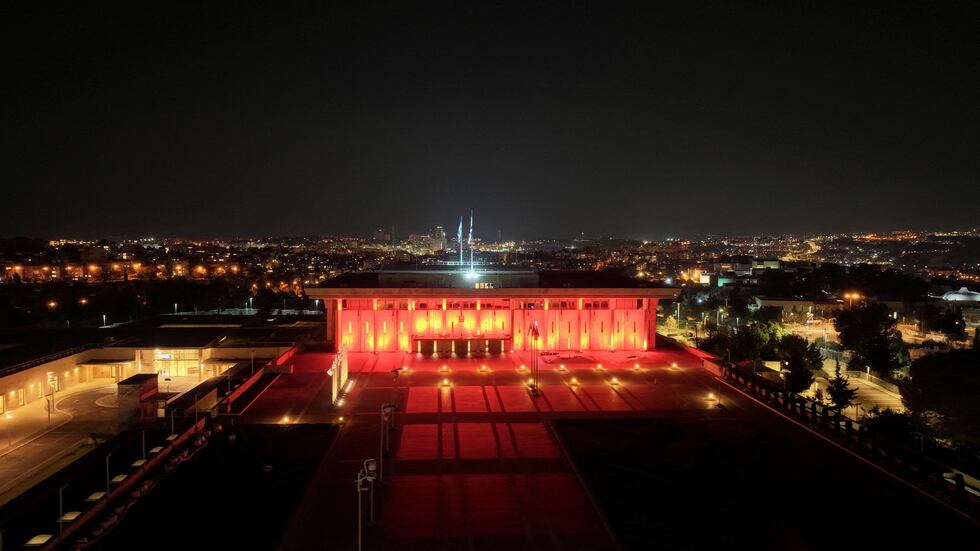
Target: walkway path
[{"x": 41, "y": 450}]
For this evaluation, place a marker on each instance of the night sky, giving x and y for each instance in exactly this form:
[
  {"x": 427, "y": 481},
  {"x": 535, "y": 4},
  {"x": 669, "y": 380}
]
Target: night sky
[{"x": 639, "y": 120}]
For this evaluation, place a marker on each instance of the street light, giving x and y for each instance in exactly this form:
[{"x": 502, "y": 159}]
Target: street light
[
  {"x": 850, "y": 299},
  {"x": 61, "y": 508},
  {"x": 108, "y": 455},
  {"x": 383, "y": 444},
  {"x": 366, "y": 474}
]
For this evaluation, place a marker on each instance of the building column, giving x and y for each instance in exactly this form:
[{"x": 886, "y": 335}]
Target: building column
[
  {"x": 333, "y": 323},
  {"x": 651, "y": 315}
]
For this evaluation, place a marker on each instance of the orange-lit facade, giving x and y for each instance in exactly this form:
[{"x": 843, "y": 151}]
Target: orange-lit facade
[{"x": 445, "y": 312}]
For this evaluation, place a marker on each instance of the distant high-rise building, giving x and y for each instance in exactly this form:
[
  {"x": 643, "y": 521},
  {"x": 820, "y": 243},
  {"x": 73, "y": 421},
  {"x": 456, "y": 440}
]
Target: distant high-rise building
[
  {"x": 437, "y": 239},
  {"x": 382, "y": 235}
]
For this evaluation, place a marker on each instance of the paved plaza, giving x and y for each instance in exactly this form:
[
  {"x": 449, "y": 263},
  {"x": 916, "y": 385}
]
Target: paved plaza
[{"x": 474, "y": 463}]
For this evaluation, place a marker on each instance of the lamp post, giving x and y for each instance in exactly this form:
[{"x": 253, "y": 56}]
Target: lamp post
[
  {"x": 108, "y": 455},
  {"x": 366, "y": 474},
  {"x": 386, "y": 411},
  {"x": 53, "y": 385},
  {"x": 61, "y": 508}
]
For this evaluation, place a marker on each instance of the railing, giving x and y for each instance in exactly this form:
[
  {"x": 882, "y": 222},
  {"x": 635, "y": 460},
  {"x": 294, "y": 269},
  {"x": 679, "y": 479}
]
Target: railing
[
  {"x": 134, "y": 486},
  {"x": 842, "y": 356},
  {"x": 889, "y": 386},
  {"x": 9, "y": 370},
  {"x": 249, "y": 312},
  {"x": 912, "y": 465}
]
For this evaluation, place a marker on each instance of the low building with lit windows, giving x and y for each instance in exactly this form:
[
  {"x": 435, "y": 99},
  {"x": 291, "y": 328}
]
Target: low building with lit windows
[
  {"x": 489, "y": 311},
  {"x": 182, "y": 353}
]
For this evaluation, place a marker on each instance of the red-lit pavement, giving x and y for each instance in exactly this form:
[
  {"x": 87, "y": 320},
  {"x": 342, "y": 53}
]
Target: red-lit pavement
[{"x": 473, "y": 462}]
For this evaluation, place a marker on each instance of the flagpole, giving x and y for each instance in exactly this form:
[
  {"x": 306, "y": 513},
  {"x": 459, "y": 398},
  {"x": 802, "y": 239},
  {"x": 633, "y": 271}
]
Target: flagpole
[
  {"x": 534, "y": 358},
  {"x": 459, "y": 237}
]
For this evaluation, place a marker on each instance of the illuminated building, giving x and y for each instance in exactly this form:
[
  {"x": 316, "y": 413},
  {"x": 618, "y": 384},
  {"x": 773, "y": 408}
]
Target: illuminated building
[{"x": 444, "y": 311}]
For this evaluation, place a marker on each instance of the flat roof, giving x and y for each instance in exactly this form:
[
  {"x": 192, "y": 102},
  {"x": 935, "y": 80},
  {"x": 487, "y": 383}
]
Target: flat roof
[
  {"x": 138, "y": 378},
  {"x": 220, "y": 336},
  {"x": 504, "y": 283}
]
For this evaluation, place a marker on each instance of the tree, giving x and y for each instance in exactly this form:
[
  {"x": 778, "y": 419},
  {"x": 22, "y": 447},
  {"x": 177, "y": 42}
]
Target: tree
[
  {"x": 839, "y": 391},
  {"x": 941, "y": 391},
  {"x": 768, "y": 334},
  {"x": 897, "y": 426},
  {"x": 947, "y": 321},
  {"x": 768, "y": 314},
  {"x": 800, "y": 360},
  {"x": 870, "y": 333}
]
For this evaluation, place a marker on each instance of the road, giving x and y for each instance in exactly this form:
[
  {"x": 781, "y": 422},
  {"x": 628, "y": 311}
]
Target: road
[{"x": 87, "y": 411}]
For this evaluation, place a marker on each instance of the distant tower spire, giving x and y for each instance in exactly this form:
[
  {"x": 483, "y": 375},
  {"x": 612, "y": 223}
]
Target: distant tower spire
[{"x": 470, "y": 240}]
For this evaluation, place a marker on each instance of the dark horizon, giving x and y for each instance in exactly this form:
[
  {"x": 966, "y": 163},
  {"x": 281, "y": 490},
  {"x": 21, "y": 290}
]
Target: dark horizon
[
  {"x": 481, "y": 235},
  {"x": 634, "y": 120}
]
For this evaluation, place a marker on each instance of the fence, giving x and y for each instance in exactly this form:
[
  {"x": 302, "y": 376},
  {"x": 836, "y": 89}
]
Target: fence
[
  {"x": 886, "y": 385},
  {"x": 912, "y": 465},
  {"x": 249, "y": 312},
  {"x": 45, "y": 359},
  {"x": 843, "y": 356}
]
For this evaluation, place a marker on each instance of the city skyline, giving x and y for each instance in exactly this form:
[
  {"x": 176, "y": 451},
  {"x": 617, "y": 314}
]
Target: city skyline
[{"x": 485, "y": 235}]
